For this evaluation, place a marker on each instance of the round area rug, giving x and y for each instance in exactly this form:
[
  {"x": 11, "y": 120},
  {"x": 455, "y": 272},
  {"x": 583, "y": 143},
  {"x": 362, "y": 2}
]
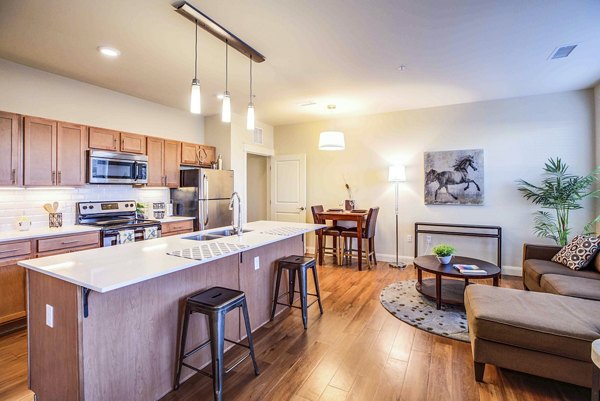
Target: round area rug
[{"x": 403, "y": 301}]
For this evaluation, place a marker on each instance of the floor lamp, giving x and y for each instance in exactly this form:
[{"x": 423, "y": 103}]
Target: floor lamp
[{"x": 397, "y": 174}]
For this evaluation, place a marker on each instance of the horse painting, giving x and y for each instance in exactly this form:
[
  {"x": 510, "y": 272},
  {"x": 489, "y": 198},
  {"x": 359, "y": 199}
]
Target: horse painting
[{"x": 465, "y": 170}]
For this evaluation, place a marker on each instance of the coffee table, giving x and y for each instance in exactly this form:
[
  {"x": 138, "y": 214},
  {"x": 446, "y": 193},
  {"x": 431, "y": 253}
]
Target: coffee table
[{"x": 452, "y": 291}]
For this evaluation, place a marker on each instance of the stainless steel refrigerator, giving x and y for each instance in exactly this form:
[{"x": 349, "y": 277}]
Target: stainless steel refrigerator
[{"x": 204, "y": 194}]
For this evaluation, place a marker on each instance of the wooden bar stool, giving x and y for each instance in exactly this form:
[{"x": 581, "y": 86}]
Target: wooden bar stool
[
  {"x": 215, "y": 302},
  {"x": 297, "y": 265}
]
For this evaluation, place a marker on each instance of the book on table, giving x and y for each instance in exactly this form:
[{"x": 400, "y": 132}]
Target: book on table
[{"x": 469, "y": 269}]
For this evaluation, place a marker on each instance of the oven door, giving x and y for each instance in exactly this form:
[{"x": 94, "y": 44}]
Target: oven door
[
  {"x": 112, "y": 171},
  {"x": 111, "y": 237}
]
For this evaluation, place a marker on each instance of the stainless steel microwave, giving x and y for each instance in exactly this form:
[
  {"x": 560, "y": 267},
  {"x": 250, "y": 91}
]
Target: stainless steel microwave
[{"x": 117, "y": 168}]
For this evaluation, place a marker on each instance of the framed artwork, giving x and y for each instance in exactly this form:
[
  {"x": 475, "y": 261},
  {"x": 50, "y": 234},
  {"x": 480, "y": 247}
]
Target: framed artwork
[{"x": 454, "y": 177}]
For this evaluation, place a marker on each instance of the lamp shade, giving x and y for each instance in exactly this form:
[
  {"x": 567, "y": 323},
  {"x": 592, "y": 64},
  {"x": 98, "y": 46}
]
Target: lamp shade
[
  {"x": 332, "y": 140},
  {"x": 397, "y": 173}
]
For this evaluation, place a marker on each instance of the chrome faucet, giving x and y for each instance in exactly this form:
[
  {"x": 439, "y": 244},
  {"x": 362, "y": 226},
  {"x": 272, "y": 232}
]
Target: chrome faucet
[{"x": 238, "y": 230}]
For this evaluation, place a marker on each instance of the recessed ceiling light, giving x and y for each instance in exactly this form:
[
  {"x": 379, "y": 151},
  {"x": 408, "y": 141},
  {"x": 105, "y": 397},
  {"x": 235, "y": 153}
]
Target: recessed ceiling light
[
  {"x": 109, "y": 51},
  {"x": 402, "y": 68}
]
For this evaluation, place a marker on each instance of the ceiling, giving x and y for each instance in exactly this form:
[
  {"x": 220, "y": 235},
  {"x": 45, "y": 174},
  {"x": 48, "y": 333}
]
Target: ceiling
[{"x": 345, "y": 52}]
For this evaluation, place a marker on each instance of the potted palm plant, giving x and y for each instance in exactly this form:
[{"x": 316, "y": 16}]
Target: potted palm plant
[
  {"x": 561, "y": 192},
  {"x": 444, "y": 253}
]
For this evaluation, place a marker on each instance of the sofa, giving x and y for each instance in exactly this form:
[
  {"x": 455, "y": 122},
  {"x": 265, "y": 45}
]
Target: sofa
[{"x": 546, "y": 330}]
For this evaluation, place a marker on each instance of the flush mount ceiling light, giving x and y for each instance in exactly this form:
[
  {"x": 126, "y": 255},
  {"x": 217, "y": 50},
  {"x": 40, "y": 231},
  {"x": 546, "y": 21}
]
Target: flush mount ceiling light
[
  {"x": 331, "y": 140},
  {"x": 226, "y": 107},
  {"x": 109, "y": 51},
  {"x": 195, "y": 99}
]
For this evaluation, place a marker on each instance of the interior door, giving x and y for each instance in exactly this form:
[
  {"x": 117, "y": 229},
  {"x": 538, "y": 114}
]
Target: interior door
[
  {"x": 70, "y": 154},
  {"x": 288, "y": 188},
  {"x": 39, "y": 162}
]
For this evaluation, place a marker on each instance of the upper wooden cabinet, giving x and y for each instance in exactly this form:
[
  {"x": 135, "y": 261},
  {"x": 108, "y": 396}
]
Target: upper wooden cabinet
[
  {"x": 71, "y": 145},
  {"x": 163, "y": 162},
  {"x": 54, "y": 152},
  {"x": 197, "y": 155},
  {"x": 172, "y": 161},
  {"x": 133, "y": 143},
  {"x": 104, "y": 139},
  {"x": 10, "y": 145},
  {"x": 39, "y": 164}
]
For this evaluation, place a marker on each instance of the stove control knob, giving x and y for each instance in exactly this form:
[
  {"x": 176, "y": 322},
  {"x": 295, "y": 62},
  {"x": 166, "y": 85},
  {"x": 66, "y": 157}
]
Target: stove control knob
[
  {"x": 91, "y": 206},
  {"x": 85, "y": 207}
]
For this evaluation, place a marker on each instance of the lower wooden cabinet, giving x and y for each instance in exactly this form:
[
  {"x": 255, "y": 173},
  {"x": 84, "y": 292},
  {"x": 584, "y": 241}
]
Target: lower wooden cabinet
[
  {"x": 13, "y": 287},
  {"x": 176, "y": 228}
]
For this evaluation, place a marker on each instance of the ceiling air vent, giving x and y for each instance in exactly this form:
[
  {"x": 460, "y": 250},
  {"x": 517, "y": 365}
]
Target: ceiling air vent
[
  {"x": 258, "y": 136},
  {"x": 562, "y": 52}
]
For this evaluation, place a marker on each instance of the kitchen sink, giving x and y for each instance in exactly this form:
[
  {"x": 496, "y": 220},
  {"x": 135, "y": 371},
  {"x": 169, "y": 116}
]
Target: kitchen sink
[{"x": 214, "y": 235}]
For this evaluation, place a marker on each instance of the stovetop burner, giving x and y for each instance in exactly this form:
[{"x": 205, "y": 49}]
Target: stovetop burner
[{"x": 111, "y": 215}]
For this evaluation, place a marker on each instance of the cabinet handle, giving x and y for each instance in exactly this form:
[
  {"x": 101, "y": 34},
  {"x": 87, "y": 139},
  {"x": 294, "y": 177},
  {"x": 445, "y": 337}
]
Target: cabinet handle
[
  {"x": 59, "y": 177},
  {"x": 14, "y": 176},
  {"x": 10, "y": 250},
  {"x": 53, "y": 176}
]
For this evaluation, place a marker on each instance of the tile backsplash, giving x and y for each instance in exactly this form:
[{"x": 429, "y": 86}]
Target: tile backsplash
[{"x": 29, "y": 202}]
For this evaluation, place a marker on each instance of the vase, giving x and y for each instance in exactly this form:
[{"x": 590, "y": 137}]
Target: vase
[{"x": 444, "y": 259}]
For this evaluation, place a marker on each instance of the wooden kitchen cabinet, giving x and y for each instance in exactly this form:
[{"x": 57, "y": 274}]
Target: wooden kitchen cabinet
[
  {"x": 10, "y": 146},
  {"x": 155, "y": 149},
  {"x": 163, "y": 162},
  {"x": 176, "y": 228},
  {"x": 189, "y": 154},
  {"x": 104, "y": 139},
  {"x": 172, "y": 161},
  {"x": 71, "y": 145},
  {"x": 13, "y": 304},
  {"x": 39, "y": 164},
  {"x": 198, "y": 155},
  {"x": 133, "y": 143},
  {"x": 54, "y": 153}
]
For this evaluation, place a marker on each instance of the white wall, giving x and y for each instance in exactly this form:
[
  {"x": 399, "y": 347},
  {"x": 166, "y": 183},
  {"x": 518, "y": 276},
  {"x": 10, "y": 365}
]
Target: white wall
[
  {"x": 29, "y": 202},
  {"x": 29, "y": 91},
  {"x": 518, "y": 136}
]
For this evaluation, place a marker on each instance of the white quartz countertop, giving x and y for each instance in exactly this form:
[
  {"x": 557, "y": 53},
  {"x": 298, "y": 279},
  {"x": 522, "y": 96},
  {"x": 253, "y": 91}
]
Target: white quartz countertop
[
  {"x": 15, "y": 235},
  {"x": 107, "y": 269},
  {"x": 173, "y": 219}
]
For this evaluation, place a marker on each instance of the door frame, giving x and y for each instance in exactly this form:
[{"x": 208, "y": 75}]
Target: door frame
[{"x": 258, "y": 151}]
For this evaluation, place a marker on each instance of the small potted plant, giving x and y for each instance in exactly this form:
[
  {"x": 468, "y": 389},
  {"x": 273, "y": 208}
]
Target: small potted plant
[{"x": 444, "y": 253}]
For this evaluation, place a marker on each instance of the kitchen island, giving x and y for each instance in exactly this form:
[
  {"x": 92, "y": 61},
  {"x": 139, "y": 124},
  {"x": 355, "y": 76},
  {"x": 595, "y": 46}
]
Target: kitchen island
[{"x": 104, "y": 323}]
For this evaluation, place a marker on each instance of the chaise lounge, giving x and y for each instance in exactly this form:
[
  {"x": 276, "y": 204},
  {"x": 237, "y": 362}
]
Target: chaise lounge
[{"x": 546, "y": 331}]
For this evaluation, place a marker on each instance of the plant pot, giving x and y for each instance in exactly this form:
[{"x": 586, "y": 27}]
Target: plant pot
[{"x": 444, "y": 259}]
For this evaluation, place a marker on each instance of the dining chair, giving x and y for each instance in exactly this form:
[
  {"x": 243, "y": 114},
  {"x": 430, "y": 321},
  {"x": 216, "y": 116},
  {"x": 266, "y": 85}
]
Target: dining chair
[
  {"x": 368, "y": 233},
  {"x": 332, "y": 231}
]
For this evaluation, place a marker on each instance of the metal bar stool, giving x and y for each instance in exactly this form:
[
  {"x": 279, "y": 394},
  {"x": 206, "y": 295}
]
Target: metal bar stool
[
  {"x": 297, "y": 265},
  {"x": 215, "y": 302}
]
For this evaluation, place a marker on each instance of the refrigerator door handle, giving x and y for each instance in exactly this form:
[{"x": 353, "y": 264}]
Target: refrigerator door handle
[{"x": 205, "y": 178}]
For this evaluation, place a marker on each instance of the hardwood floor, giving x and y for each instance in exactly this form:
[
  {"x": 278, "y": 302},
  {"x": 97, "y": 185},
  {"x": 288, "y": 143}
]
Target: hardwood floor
[
  {"x": 359, "y": 351},
  {"x": 355, "y": 351}
]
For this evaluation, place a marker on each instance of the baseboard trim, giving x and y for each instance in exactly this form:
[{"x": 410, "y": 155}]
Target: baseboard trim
[{"x": 386, "y": 257}]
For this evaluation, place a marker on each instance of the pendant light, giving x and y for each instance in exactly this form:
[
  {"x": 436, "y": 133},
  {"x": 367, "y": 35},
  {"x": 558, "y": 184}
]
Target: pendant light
[
  {"x": 226, "y": 110},
  {"x": 331, "y": 140},
  {"x": 195, "y": 103},
  {"x": 250, "y": 118}
]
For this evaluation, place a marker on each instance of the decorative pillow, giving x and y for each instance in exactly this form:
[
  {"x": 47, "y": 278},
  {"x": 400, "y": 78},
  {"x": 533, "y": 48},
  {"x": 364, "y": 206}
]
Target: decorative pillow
[{"x": 578, "y": 253}]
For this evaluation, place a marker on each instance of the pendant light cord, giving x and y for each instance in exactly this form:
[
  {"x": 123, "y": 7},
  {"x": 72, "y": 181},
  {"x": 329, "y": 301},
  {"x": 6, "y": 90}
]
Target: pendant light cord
[
  {"x": 250, "y": 79},
  {"x": 226, "y": 64},
  {"x": 196, "y": 52}
]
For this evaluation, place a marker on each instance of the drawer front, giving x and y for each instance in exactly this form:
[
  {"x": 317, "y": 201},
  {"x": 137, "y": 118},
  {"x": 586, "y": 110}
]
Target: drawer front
[
  {"x": 169, "y": 228},
  {"x": 67, "y": 241},
  {"x": 63, "y": 251},
  {"x": 14, "y": 249}
]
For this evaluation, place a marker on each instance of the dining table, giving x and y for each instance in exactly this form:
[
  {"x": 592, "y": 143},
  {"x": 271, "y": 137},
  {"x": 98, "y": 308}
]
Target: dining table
[{"x": 335, "y": 215}]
